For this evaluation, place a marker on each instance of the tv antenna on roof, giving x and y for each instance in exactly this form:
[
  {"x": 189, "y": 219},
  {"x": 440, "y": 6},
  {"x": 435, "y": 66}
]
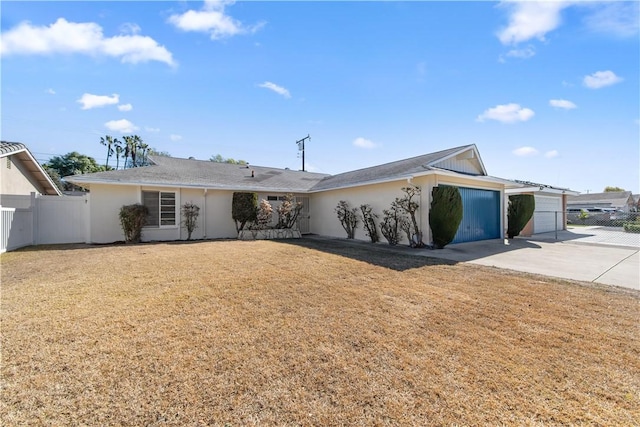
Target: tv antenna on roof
[{"x": 301, "y": 148}]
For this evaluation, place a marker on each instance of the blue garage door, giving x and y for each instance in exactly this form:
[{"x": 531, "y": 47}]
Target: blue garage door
[{"x": 480, "y": 215}]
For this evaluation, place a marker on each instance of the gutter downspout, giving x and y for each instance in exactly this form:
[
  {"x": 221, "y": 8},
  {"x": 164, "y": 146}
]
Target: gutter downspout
[{"x": 204, "y": 215}]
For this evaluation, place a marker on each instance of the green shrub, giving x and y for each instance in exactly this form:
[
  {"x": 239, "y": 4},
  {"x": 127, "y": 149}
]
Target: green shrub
[
  {"x": 348, "y": 217},
  {"x": 132, "y": 219},
  {"x": 519, "y": 212},
  {"x": 632, "y": 227},
  {"x": 244, "y": 209},
  {"x": 445, "y": 215},
  {"x": 190, "y": 213}
]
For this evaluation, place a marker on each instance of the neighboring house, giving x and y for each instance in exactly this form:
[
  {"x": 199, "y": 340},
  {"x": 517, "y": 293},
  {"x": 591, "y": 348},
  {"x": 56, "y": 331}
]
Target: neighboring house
[
  {"x": 22, "y": 181},
  {"x": 636, "y": 199},
  {"x": 550, "y": 207},
  {"x": 21, "y": 175},
  {"x": 619, "y": 200},
  {"x": 167, "y": 183}
]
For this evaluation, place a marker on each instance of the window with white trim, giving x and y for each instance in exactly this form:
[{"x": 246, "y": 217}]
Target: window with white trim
[{"x": 162, "y": 208}]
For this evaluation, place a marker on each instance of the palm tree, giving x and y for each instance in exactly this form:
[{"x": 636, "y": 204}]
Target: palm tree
[
  {"x": 119, "y": 150},
  {"x": 107, "y": 141},
  {"x": 145, "y": 152},
  {"x": 126, "y": 152}
]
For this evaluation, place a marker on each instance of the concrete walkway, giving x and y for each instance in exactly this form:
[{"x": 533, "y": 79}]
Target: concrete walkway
[{"x": 577, "y": 256}]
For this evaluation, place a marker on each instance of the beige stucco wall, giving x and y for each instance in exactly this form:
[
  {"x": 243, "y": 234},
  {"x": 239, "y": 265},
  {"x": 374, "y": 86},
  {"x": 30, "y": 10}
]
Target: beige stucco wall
[
  {"x": 220, "y": 224},
  {"x": 14, "y": 179},
  {"x": 106, "y": 201},
  {"x": 325, "y": 222}
]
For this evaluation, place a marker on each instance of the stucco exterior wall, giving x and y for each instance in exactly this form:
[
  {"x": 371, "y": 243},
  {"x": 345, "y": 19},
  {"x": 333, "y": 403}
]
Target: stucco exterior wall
[
  {"x": 322, "y": 206},
  {"x": 219, "y": 224},
  {"x": 14, "y": 178},
  {"x": 106, "y": 201},
  {"x": 325, "y": 222}
]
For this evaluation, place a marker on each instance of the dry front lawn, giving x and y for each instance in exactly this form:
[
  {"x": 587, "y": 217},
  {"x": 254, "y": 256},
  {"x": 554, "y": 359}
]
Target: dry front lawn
[{"x": 311, "y": 332}]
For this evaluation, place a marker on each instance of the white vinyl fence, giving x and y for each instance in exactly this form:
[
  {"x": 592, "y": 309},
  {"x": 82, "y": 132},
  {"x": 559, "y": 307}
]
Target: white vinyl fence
[{"x": 46, "y": 220}]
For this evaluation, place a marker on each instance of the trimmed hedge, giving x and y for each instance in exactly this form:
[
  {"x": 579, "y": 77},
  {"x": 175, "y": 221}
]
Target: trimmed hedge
[
  {"x": 519, "y": 212},
  {"x": 445, "y": 215},
  {"x": 244, "y": 209},
  {"x": 132, "y": 219}
]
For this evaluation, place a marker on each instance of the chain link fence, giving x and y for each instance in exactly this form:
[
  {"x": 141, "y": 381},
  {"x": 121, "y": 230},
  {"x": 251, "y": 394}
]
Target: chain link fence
[{"x": 590, "y": 225}]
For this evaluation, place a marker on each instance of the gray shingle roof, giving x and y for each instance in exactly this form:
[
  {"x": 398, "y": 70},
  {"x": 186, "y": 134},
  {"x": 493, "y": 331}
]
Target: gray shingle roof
[
  {"x": 174, "y": 172},
  {"x": 398, "y": 169},
  {"x": 613, "y": 198}
]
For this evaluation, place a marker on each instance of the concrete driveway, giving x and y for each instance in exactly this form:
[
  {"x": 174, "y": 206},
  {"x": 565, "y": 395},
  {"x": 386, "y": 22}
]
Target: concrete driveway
[{"x": 578, "y": 255}]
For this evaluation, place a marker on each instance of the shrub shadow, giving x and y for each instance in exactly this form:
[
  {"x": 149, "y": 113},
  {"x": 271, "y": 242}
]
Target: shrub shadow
[{"x": 398, "y": 258}]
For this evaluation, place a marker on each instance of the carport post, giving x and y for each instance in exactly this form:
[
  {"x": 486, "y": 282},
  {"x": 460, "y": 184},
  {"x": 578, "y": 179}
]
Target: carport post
[{"x": 556, "y": 227}]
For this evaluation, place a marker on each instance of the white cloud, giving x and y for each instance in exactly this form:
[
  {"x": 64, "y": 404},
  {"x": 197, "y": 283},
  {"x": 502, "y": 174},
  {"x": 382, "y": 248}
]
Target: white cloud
[
  {"x": 562, "y": 103},
  {"x": 509, "y": 113},
  {"x": 122, "y": 125},
  {"x": 51, "y": 91},
  {"x": 277, "y": 89},
  {"x": 619, "y": 18},
  {"x": 89, "y": 101},
  {"x": 130, "y": 28},
  {"x": 150, "y": 129},
  {"x": 601, "y": 79},
  {"x": 525, "y": 151},
  {"x": 175, "y": 137},
  {"x": 64, "y": 37},
  {"x": 551, "y": 154},
  {"x": 525, "y": 53},
  {"x": 364, "y": 143},
  {"x": 213, "y": 20},
  {"x": 528, "y": 20},
  {"x": 125, "y": 107}
]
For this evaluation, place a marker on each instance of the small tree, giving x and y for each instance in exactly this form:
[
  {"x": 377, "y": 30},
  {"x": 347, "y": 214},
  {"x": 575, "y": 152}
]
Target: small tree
[
  {"x": 288, "y": 212},
  {"x": 190, "y": 212},
  {"x": 582, "y": 216},
  {"x": 519, "y": 212},
  {"x": 392, "y": 223},
  {"x": 410, "y": 206},
  {"x": 348, "y": 217},
  {"x": 264, "y": 215},
  {"x": 244, "y": 209},
  {"x": 369, "y": 221},
  {"x": 445, "y": 215},
  {"x": 133, "y": 218}
]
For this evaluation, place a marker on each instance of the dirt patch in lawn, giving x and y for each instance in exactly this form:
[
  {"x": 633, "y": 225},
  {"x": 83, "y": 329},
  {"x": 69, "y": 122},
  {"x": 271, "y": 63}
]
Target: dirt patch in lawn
[{"x": 271, "y": 333}]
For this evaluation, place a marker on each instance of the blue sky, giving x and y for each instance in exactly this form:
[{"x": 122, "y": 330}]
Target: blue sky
[{"x": 547, "y": 91}]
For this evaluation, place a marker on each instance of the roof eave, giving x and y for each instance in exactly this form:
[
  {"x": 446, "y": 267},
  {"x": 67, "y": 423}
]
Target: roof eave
[
  {"x": 47, "y": 179},
  {"x": 88, "y": 183}
]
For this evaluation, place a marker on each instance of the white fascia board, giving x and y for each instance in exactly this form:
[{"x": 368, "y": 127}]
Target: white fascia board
[
  {"x": 484, "y": 178},
  {"x": 542, "y": 190},
  {"x": 363, "y": 183},
  {"x": 193, "y": 186},
  {"x": 42, "y": 171},
  {"x": 434, "y": 171}
]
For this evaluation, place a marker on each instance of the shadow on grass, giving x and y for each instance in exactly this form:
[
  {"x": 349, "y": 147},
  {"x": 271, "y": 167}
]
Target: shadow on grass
[
  {"x": 398, "y": 258},
  {"x": 77, "y": 246}
]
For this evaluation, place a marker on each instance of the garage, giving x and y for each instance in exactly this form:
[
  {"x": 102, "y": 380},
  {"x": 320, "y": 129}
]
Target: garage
[
  {"x": 544, "y": 215},
  {"x": 480, "y": 215}
]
